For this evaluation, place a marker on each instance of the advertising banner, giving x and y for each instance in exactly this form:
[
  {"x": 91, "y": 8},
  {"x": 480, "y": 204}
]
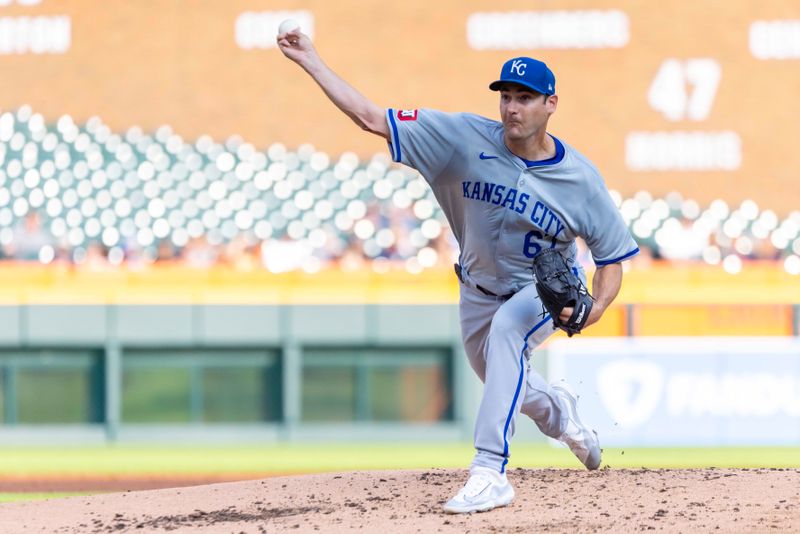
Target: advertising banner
[{"x": 684, "y": 391}]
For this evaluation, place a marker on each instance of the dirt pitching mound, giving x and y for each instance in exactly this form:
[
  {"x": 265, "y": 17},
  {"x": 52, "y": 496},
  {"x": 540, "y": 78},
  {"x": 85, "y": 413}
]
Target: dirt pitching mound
[{"x": 549, "y": 500}]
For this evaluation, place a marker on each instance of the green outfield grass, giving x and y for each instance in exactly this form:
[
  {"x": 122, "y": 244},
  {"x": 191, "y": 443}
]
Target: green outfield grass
[
  {"x": 310, "y": 458},
  {"x": 266, "y": 460},
  {"x": 14, "y": 497}
]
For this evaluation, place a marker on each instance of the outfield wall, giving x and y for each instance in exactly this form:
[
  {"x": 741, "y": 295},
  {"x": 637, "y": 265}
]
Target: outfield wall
[
  {"x": 95, "y": 373},
  {"x": 231, "y": 372},
  {"x": 169, "y": 353}
]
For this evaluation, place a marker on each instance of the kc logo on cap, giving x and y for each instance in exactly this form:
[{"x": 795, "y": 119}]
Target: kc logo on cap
[
  {"x": 528, "y": 72},
  {"x": 518, "y": 66}
]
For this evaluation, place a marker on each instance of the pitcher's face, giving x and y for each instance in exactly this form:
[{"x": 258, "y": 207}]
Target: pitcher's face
[{"x": 524, "y": 112}]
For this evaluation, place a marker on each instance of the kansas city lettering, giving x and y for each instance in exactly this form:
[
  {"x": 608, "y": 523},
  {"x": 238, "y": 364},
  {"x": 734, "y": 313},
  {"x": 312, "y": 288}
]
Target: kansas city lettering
[
  {"x": 545, "y": 218},
  {"x": 496, "y": 194},
  {"x": 510, "y": 198}
]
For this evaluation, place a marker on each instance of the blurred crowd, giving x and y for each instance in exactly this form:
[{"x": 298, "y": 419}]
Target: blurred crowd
[
  {"x": 85, "y": 196},
  {"x": 389, "y": 238},
  {"x": 30, "y": 241}
]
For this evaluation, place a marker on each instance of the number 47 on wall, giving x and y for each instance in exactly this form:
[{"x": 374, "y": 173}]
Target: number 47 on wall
[{"x": 685, "y": 89}]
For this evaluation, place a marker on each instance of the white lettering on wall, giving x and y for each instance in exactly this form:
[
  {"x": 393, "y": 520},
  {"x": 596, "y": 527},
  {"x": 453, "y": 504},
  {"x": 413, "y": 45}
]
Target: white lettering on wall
[
  {"x": 4, "y": 3},
  {"x": 513, "y": 30},
  {"x": 685, "y": 89},
  {"x": 733, "y": 395},
  {"x": 775, "y": 39},
  {"x": 683, "y": 151},
  {"x": 35, "y": 35}
]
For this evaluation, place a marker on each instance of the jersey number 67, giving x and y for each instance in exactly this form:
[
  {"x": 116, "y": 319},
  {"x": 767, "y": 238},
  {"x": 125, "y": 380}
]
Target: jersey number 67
[{"x": 532, "y": 247}]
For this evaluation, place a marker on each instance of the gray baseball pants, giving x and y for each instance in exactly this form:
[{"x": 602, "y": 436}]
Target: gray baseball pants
[{"x": 499, "y": 336}]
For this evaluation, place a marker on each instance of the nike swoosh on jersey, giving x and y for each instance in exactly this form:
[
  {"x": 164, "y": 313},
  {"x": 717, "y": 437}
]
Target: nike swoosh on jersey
[{"x": 484, "y": 156}]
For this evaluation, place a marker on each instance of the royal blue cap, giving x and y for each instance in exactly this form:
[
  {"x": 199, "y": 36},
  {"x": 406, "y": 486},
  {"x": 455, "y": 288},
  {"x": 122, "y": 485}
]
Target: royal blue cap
[{"x": 527, "y": 72}]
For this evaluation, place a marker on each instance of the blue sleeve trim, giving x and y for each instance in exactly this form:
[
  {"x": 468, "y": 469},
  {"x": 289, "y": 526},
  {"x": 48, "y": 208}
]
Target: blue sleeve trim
[
  {"x": 616, "y": 260},
  {"x": 394, "y": 143}
]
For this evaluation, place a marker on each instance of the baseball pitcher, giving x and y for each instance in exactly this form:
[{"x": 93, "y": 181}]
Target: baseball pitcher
[{"x": 516, "y": 198}]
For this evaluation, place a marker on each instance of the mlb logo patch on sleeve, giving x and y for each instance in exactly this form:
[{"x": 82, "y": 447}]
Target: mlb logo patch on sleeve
[{"x": 407, "y": 114}]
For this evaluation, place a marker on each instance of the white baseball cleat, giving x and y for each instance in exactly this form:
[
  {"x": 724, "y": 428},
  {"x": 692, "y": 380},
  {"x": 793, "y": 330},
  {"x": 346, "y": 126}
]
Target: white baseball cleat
[
  {"x": 581, "y": 440},
  {"x": 485, "y": 489}
]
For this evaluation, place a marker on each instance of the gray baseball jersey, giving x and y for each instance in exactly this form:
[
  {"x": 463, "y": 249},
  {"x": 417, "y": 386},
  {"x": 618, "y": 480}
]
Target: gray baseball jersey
[{"x": 501, "y": 209}]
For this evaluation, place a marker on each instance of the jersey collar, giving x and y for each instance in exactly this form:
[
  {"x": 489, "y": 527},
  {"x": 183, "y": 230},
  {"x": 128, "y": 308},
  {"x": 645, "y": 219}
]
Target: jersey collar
[
  {"x": 549, "y": 161},
  {"x": 527, "y": 164}
]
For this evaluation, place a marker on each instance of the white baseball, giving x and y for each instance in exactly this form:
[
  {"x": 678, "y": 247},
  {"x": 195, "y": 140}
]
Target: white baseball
[{"x": 287, "y": 26}]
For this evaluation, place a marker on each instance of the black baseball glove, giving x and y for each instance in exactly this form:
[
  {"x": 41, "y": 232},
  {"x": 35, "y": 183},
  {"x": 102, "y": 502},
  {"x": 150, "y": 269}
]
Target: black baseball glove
[{"x": 560, "y": 288}]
